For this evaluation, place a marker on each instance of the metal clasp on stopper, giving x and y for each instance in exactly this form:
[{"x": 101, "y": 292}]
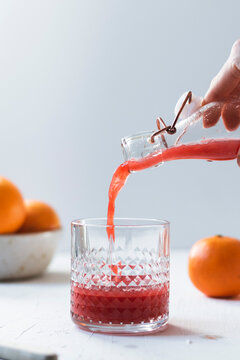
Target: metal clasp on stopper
[{"x": 171, "y": 129}]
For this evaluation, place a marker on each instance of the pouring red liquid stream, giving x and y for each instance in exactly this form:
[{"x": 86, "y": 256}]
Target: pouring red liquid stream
[{"x": 219, "y": 149}]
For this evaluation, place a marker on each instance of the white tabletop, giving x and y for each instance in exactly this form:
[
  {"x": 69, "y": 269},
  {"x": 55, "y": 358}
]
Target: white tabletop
[{"x": 36, "y": 312}]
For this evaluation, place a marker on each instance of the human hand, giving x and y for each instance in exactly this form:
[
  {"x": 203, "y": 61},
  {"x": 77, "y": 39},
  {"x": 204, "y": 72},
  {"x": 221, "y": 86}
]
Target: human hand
[{"x": 225, "y": 87}]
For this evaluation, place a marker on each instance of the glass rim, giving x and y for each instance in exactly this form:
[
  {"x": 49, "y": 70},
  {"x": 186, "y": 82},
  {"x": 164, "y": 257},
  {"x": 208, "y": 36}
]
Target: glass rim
[
  {"x": 155, "y": 222},
  {"x": 139, "y": 134}
]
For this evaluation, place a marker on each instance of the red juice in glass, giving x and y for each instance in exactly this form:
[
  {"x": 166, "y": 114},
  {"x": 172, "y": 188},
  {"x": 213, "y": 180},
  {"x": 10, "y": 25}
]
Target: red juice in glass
[
  {"x": 120, "y": 305},
  {"x": 121, "y": 286}
]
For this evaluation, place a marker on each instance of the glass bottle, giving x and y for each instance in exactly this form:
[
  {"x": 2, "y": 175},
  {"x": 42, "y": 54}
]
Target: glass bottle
[{"x": 186, "y": 139}]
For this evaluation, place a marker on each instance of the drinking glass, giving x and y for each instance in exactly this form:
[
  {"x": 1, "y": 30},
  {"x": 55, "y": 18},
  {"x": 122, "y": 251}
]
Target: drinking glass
[{"x": 121, "y": 285}]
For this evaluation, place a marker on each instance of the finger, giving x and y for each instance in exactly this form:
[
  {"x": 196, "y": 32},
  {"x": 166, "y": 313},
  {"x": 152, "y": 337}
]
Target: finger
[
  {"x": 211, "y": 116},
  {"x": 235, "y": 94},
  {"x": 227, "y": 79},
  {"x": 238, "y": 158},
  {"x": 231, "y": 115}
]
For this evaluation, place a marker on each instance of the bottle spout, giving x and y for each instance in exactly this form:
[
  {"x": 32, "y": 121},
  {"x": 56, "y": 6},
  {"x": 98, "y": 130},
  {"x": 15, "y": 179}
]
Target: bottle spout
[
  {"x": 139, "y": 146},
  {"x": 145, "y": 144}
]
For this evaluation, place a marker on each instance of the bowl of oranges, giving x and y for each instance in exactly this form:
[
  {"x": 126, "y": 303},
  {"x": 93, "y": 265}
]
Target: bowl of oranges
[{"x": 29, "y": 233}]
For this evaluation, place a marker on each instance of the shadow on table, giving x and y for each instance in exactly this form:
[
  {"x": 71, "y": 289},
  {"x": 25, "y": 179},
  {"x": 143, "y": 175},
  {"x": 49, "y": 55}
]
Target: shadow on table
[
  {"x": 53, "y": 277},
  {"x": 229, "y": 299},
  {"x": 174, "y": 330},
  {"x": 171, "y": 330}
]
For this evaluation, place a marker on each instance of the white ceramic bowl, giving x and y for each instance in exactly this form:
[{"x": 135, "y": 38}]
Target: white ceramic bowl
[{"x": 25, "y": 255}]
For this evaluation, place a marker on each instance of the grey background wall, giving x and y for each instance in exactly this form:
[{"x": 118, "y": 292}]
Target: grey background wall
[{"x": 76, "y": 76}]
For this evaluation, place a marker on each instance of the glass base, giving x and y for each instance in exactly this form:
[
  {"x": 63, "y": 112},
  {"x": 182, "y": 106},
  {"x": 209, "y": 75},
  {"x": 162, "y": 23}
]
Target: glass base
[{"x": 128, "y": 329}]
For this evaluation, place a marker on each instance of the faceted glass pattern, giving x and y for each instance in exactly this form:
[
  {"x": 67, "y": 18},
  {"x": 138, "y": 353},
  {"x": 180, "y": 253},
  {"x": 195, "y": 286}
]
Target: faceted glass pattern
[{"x": 120, "y": 286}]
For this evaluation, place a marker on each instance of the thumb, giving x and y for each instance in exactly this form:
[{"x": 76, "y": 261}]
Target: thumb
[{"x": 238, "y": 158}]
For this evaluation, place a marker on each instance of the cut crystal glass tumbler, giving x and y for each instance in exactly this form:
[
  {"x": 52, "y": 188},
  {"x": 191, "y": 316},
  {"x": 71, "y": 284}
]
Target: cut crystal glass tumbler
[{"x": 120, "y": 285}]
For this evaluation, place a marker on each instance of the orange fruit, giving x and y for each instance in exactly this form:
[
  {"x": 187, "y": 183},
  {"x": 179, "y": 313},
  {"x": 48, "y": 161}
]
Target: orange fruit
[
  {"x": 214, "y": 266},
  {"x": 39, "y": 217},
  {"x": 12, "y": 210}
]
